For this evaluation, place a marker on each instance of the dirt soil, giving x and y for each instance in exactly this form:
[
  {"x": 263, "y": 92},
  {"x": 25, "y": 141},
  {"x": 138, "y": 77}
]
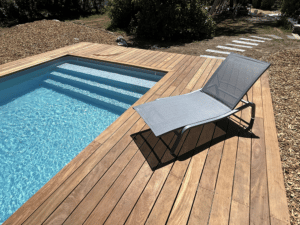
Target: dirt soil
[{"x": 41, "y": 36}]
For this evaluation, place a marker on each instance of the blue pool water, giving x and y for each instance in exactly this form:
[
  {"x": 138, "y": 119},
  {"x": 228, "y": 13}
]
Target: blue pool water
[{"x": 48, "y": 114}]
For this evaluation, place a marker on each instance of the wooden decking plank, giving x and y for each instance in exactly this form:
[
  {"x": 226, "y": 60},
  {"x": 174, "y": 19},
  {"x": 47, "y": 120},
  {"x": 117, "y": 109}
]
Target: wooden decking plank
[
  {"x": 181, "y": 67},
  {"x": 241, "y": 185},
  {"x": 198, "y": 74},
  {"x": 154, "y": 56},
  {"x": 126, "y": 203},
  {"x": 95, "y": 50},
  {"x": 144, "y": 204},
  {"x": 95, "y": 177},
  {"x": 161, "y": 208},
  {"x": 223, "y": 192},
  {"x": 130, "y": 197},
  {"x": 169, "y": 62},
  {"x": 134, "y": 58},
  {"x": 277, "y": 193},
  {"x": 123, "y": 53},
  {"x": 131, "y": 51},
  {"x": 174, "y": 63},
  {"x": 201, "y": 207},
  {"x": 211, "y": 68},
  {"x": 211, "y": 167},
  {"x": 110, "y": 52},
  {"x": 158, "y": 59},
  {"x": 239, "y": 213},
  {"x": 59, "y": 54},
  {"x": 141, "y": 58},
  {"x": 184, "y": 200},
  {"x": 259, "y": 204},
  {"x": 275, "y": 221},
  {"x": 257, "y": 99},
  {"x": 149, "y": 55},
  {"x": 189, "y": 73},
  {"x": 168, "y": 59},
  {"x": 164, "y": 203},
  {"x": 209, "y": 176},
  {"x": 138, "y": 57},
  {"x": 161, "y": 59},
  {"x": 86, "y": 209}
]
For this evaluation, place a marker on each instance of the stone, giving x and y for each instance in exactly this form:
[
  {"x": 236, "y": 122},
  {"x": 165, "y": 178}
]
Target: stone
[{"x": 296, "y": 29}]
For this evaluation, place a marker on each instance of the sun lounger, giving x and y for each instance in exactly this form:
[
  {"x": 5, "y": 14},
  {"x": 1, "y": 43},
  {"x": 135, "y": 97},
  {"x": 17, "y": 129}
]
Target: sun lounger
[{"x": 216, "y": 100}]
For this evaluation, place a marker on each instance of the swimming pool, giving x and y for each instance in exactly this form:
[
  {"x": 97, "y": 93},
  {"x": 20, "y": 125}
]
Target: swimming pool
[{"x": 49, "y": 113}]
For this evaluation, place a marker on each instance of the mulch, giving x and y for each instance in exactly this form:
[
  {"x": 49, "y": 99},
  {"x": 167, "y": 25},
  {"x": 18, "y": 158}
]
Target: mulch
[
  {"x": 41, "y": 36},
  {"x": 284, "y": 79},
  {"x": 37, "y": 37}
]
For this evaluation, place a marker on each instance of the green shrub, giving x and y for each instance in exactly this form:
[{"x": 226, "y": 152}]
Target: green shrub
[
  {"x": 162, "y": 19},
  {"x": 256, "y": 3},
  {"x": 29, "y": 10},
  {"x": 284, "y": 23},
  {"x": 267, "y": 4},
  {"x": 290, "y": 7},
  {"x": 121, "y": 11}
]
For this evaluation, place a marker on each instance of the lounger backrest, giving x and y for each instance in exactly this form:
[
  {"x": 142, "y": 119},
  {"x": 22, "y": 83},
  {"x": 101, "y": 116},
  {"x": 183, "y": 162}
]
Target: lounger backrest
[{"x": 234, "y": 78}]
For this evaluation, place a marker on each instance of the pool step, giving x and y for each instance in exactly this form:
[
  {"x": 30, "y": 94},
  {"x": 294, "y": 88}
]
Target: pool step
[
  {"x": 109, "y": 78},
  {"x": 125, "y": 70},
  {"x": 94, "y": 99},
  {"x": 97, "y": 88}
]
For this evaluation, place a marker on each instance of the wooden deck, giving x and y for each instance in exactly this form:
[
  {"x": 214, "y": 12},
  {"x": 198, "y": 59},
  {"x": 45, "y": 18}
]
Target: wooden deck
[{"x": 224, "y": 175}]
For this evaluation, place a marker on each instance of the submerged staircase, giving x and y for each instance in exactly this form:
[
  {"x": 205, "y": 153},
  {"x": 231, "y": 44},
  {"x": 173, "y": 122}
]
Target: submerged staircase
[{"x": 112, "y": 88}]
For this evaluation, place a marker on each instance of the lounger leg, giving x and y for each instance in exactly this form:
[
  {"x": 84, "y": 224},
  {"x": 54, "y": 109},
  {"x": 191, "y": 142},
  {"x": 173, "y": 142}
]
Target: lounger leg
[
  {"x": 252, "y": 116},
  {"x": 178, "y": 138}
]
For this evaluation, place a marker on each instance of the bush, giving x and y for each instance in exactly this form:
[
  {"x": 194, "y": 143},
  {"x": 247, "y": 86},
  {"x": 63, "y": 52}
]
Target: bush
[
  {"x": 267, "y": 4},
  {"x": 256, "y": 3},
  {"x": 290, "y": 7},
  {"x": 162, "y": 19},
  {"x": 283, "y": 22},
  {"x": 29, "y": 10}
]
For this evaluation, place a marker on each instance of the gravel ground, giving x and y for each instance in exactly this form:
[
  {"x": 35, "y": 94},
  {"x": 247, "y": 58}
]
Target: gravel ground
[
  {"x": 42, "y": 36},
  {"x": 285, "y": 90}
]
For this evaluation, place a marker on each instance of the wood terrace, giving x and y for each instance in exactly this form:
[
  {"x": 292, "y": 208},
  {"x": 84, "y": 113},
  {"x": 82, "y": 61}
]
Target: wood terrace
[{"x": 223, "y": 174}]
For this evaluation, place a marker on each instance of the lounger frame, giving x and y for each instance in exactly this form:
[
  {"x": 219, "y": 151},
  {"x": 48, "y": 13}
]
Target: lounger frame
[{"x": 187, "y": 127}]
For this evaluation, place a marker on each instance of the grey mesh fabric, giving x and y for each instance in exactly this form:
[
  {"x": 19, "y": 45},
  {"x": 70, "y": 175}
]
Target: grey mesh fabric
[
  {"x": 167, "y": 114},
  {"x": 234, "y": 78},
  {"x": 219, "y": 96}
]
